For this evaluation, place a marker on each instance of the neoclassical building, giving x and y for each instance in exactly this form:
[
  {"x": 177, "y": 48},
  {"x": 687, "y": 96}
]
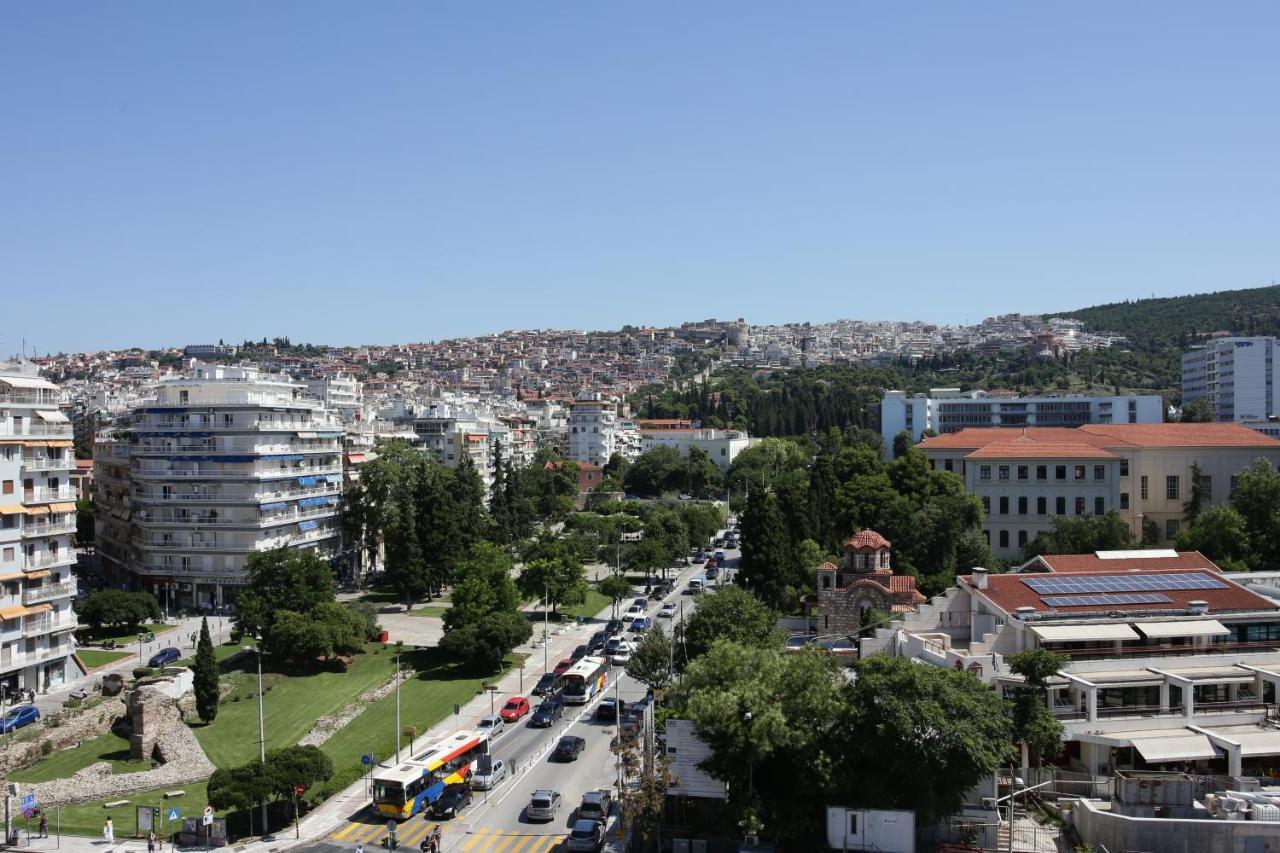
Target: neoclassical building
[{"x": 865, "y": 581}]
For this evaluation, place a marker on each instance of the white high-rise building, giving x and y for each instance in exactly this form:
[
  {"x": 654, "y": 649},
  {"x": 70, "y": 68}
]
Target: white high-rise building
[
  {"x": 1235, "y": 375},
  {"x": 221, "y": 465},
  {"x": 947, "y": 410},
  {"x": 37, "y": 522}
]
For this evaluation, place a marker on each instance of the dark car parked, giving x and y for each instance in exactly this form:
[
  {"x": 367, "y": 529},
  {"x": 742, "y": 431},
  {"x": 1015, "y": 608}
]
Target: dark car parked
[
  {"x": 546, "y": 685},
  {"x": 548, "y": 712},
  {"x": 597, "y": 641},
  {"x": 607, "y": 710},
  {"x": 595, "y": 806},
  {"x": 164, "y": 656},
  {"x": 569, "y": 748},
  {"x": 580, "y": 652},
  {"x": 454, "y": 799},
  {"x": 614, "y": 627}
]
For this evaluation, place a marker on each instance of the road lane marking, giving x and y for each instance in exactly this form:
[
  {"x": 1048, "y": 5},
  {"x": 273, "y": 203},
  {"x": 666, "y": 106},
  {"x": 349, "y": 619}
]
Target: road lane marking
[
  {"x": 477, "y": 836},
  {"x": 413, "y": 833}
]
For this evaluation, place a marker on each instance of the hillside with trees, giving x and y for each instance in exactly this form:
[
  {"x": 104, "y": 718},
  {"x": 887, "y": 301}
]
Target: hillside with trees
[{"x": 1175, "y": 322}]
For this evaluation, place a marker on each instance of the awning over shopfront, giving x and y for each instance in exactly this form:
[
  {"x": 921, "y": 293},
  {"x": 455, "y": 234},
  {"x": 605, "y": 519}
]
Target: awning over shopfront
[
  {"x": 52, "y": 417},
  {"x": 1174, "y": 746},
  {"x": 1189, "y": 628},
  {"x": 1254, "y": 741},
  {"x": 1083, "y": 633}
]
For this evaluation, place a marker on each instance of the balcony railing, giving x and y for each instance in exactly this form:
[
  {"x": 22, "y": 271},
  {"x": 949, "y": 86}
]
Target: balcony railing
[
  {"x": 248, "y": 497},
  {"x": 1174, "y": 710},
  {"x": 48, "y": 559},
  {"x": 145, "y": 449},
  {"x": 194, "y": 545},
  {"x": 46, "y": 399},
  {"x": 37, "y": 430},
  {"x": 1167, "y": 650},
  {"x": 142, "y": 425},
  {"x": 48, "y": 592},
  {"x": 252, "y": 473},
  {"x": 37, "y": 656},
  {"x": 42, "y": 494},
  {"x": 31, "y": 531},
  {"x": 47, "y": 464}
]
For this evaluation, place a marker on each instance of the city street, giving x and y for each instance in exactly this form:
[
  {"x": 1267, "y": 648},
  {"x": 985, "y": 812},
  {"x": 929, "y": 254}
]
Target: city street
[{"x": 495, "y": 822}]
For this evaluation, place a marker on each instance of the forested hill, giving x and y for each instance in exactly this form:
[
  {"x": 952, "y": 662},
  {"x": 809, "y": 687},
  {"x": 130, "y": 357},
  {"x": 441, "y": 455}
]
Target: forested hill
[{"x": 1154, "y": 325}]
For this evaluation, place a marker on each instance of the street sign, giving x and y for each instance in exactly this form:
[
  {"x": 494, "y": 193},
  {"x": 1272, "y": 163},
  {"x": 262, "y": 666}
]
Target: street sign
[
  {"x": 175, "y": 814},
  {"x": 366, "y": 759},
  {"x": 299, "y": 790},
  {"x": 28, "y": 801},
  {"x": 391, "y": 827},
  {"x": 208, "y": 820}
]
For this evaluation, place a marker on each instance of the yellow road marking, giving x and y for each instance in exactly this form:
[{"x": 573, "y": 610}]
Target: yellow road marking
[
  {"x": 476, "y": 837},
  {"x": 368, "y": 832},
  {"x": 503, "y": 843}
]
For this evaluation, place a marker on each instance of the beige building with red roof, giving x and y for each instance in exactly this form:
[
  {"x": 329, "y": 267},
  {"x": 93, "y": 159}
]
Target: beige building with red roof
[
  {"x": 1170, "y": 663},
  {"x": 1027, "y": 477}
]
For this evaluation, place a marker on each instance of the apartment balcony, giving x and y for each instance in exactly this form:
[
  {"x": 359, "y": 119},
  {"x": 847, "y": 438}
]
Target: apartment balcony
[
  {"x": 142, "y": 425},
  {"x": 322, "y": 512},
  {"x": 32, "y": 531},
  {"x": 49, "y": 559},
  {"x": 301, "y": 538},
  {"x": 22, "y": 660},
  {"x": 43, "y": 494},
  {"x": 48, "y": 592},
  {"x": 48, "y": 464},
  {"x": 190, "y": 545},
  {"x": 36, "y": 627},
  {"x": 44, "y": 399},
  {"x": 332, "y": 489},
  {"x": 1135, "y": 652},
  {"x": 145, "y": 449},
  {"x": 247, "y": 474},
  {"x": 36, "y": 431}
]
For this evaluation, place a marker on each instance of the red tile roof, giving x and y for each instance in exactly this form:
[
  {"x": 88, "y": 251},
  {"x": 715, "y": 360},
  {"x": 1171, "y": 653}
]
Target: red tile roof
[
  {"x": 1110, "y": 436},
  {"x": 1009, "y": 592},
  {"x": 866, "y": 540},
  {"x": 1024, "y": 448},
  {"x": 1075, "y": 564}
]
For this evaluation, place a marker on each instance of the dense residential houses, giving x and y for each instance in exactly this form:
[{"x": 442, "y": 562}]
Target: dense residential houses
[
  {"x": 37, "y": 526},
  {"x": 1027, "y": 476},
  {"x": 946, "y": 410},
  {"x": 220, "y": 465}
]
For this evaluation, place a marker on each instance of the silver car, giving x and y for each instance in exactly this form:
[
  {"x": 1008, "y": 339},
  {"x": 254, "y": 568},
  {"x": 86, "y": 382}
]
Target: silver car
[
  {"x": 492, "y": 725},
  {"x": 543, "y": 805},
  {"x": 489, "y": 773}
]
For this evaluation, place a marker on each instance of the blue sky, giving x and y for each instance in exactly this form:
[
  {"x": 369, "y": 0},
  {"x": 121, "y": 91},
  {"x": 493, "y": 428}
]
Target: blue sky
[{"x": 347, "y": 173}]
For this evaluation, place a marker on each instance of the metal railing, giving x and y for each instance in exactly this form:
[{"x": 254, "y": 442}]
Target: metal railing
[
  {"x": 43, "y": 493},
  {"x": 63, "y": 556},
  {"x": 34, "y": 530},
  {"x": 253, "y": 473},
  {"x": 48, "y": 592},
  {"x": 144, "y": 449},
  {"x": 37, "y": 431},
  {"x": 1174, "y": 710},
  {"x": 41, "y": 463},
  {"x": 1166, "y": 650}
]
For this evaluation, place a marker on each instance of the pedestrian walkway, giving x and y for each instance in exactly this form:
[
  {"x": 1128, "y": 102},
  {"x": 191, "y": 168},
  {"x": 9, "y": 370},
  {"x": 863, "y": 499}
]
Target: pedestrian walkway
[{"x": 500, "y": 841}]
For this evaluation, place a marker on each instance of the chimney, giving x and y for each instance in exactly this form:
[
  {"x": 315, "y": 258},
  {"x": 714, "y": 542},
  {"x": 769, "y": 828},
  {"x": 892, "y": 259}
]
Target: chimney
[
  {"x": 1198, "y": 607},
  {"x": 979, "y": 577},
  {"x": 1025, "y": 612}
]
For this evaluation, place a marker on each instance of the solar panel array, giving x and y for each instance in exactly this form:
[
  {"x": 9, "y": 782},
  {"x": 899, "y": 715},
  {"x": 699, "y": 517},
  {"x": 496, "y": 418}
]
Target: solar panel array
[
  {"x": 1074, "y": 584},
  {"x": 1106, "y": 599}
]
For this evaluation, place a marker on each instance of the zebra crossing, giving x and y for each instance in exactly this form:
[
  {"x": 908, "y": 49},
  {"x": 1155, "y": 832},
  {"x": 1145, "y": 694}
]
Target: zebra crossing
[{"x": 481, "y": 840}]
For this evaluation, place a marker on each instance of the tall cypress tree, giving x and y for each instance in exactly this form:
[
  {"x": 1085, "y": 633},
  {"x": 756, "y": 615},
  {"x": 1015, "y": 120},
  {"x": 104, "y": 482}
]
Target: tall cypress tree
[
  {"x": 206, "y": 676},
  {"x": 766, "y": 550}
]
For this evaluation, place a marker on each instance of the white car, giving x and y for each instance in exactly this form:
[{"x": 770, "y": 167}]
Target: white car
[
  {"x": 635, "y": 611},
  {"x": 668, "y": 611},
  {"x": 492, "y": 725},
  {"x": 622, "y": 655}
]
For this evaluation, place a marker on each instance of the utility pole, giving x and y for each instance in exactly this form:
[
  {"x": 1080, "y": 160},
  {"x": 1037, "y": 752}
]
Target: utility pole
[
  {"x": 262, "y": 732},
  {"x": 546, "y": 627},
  {"x": 399, "y": 649}
]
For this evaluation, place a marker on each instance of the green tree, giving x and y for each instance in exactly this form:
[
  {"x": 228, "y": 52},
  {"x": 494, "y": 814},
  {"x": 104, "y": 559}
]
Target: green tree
[
  {"x": 238, "y": 788},
  {"x": 938, "y": 734},
  {"x": 652, "y": 662},
  {"x": 86, "y": 523},
  {"x": 205, "y": 676},
  {"x": 667, "y": 529},
  {"x": 1199, "y": 495},
  {"x": 292, "y": 766},
  {"x": 1221, "y": 535},
  {"x": 732, "y": 614},
  {"x": 117, "y": 608},
  {"x": 562, "y": 580},
  {"x": 1033, "y": 723},
  {"x": 281, "y": 580},
  {"x": 1082, "y": 534},
  {"x": 767, "y": 565},
  {"x": 1257, "y": 498},
  {"x": 702, "y": 477},
  {"x": 616, "y": 587},
  {"x": 1197, "y": 412},
  {"x": 483, "y": 585},
  {"x": 659, "y": 471},
  {"x": 487, "y": 641}
]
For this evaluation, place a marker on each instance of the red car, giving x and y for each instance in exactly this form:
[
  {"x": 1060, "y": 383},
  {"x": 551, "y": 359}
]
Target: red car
[
  {"x": 563, "y": 666},
  {"x": 516, "y": 707}
]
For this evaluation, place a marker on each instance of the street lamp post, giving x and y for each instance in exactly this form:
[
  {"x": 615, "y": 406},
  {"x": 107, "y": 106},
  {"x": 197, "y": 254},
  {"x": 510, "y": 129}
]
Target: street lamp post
[
  {"x": 262, "y": 732},
  {"x": 399, "y": 649},
  {"x": 546, "y": 626}
]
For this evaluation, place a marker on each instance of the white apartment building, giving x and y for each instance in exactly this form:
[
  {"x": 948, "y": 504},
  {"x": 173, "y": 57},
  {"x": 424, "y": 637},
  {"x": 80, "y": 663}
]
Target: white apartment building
[
  {"x": 1170, "y": 662},
  {"x": 452, "y": 433},
  {"x": 37, "y": 523},
  {"x": 221, "y": 465},
  {"x": 1027, "y": 477},
  {"x": 342, "y": 396},
  {"x": 1235, "y": 375},
  {"x": 722, "y": 446},
  {"x": 947, "y": 410},
  {"x": 596, "y": 431}
]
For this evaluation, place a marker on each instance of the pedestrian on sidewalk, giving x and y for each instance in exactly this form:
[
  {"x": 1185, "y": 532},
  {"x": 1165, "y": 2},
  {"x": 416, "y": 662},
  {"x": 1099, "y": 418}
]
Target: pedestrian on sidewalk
[
  {"x": 44, "y": 825},
  {"x": 359, "y": 847},
  {"x": 151, "y": 841},
  {"x": 109, "y": 832}
]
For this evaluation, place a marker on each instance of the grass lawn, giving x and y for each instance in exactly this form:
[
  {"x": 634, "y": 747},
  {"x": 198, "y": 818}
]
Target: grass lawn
[
  {"x": 588, "y": 609},
  {"x": 107, "y": 747},
  {"x": 436, "y": 611},
  {"x": 424, "y": 701},
  {"x": 87, "y": 819},
  {"x": 94, "y": 658},
  {"x": 291, "y": 707},
  {"x": 110, "y": 633},
  {"x": 221, "y": 653}
]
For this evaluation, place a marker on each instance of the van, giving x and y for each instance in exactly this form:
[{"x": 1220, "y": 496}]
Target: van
[{"x": 695, "y": 585}]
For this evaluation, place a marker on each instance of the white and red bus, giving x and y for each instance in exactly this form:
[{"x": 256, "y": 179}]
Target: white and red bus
[
  {"x": 584, "y": 680},
  {"x": 407, "y": 788}
]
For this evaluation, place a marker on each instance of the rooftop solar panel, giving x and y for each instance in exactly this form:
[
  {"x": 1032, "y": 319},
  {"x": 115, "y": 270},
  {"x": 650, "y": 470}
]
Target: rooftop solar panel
[
  {"x": 1071, "y": 584},
  {"x": 1106, "y": 599}
]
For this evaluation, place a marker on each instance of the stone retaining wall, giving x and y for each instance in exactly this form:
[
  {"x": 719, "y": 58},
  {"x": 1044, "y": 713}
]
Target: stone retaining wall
[
  {"x": 74, "y": 726},
  {"x": 326, "y": 727}
]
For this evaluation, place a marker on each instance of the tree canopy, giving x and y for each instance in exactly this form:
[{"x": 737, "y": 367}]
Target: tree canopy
[{"x": 117, "y": 608}]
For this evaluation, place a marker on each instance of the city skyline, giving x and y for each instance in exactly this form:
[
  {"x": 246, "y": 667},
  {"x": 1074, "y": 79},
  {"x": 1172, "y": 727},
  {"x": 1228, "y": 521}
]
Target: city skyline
[{"x": 419, "y": 173}]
